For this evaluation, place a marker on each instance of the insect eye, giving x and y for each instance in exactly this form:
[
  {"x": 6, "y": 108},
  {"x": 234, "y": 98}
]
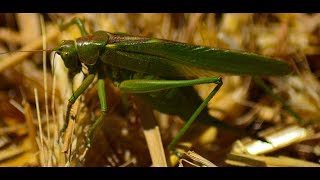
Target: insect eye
[{"x": 66, "y": 54}]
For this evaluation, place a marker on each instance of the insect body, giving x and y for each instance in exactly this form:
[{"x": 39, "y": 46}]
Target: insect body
[{"x": 161, "y": 72}]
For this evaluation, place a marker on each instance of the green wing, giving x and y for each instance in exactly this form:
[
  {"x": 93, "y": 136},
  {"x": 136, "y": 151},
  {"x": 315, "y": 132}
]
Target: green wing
[{"x": 174, "y": 59}]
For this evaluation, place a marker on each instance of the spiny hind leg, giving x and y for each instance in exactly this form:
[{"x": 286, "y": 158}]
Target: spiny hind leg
[
  {"x": 196, "y": 113},
  {"x": 145, "y": 86}
]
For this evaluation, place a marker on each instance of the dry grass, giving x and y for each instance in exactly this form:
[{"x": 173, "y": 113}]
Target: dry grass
[{"x": 33, "y": 100}]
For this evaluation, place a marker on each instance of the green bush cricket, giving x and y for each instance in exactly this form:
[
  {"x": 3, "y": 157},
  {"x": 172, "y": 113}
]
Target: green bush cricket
[{"x": 160, "y": 72}]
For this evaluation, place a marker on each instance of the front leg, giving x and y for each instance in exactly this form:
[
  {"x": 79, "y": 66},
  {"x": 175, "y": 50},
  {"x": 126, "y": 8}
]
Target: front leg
[
  {"x": 77, "y": 22},
  {"x": 85, "y": 84}
]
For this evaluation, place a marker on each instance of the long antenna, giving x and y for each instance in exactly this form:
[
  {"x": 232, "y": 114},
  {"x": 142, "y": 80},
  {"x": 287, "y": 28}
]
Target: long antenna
[
  {"x": 15, "y": 58},
  {"x": 8, "y": 52}
]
